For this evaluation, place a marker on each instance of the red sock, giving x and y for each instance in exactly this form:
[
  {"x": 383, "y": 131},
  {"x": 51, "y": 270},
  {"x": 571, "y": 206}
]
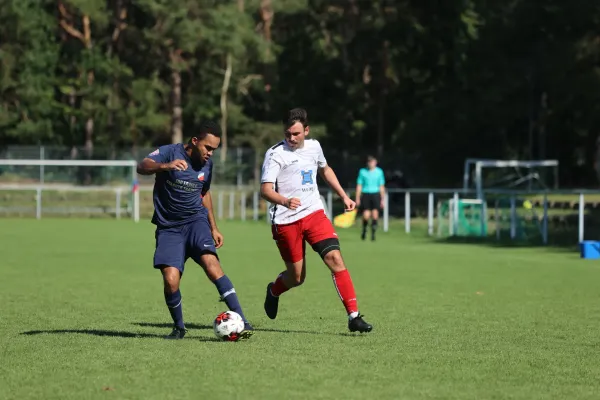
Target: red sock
[
  {"x": 345, "y": 288},
  {"x": 279, "y": 287}
]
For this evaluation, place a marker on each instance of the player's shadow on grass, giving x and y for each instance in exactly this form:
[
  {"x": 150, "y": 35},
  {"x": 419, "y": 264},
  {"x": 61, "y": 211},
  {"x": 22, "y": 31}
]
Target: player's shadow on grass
[
  {"x": 102, "y": 332},
  {"x": 170, "y": 326},
  {"x": 257, "y": 328}
]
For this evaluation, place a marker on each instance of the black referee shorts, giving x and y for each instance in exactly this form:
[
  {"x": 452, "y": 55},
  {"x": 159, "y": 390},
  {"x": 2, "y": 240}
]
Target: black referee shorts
[{"x": 370, "y": 201}]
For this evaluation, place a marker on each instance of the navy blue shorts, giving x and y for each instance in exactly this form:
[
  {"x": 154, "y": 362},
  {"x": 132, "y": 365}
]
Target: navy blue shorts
[{"x": 175, "y": 245}]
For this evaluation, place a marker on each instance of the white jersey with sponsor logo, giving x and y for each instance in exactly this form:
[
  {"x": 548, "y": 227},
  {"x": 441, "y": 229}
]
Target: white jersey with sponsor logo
[{"x": 294, "y": 174}]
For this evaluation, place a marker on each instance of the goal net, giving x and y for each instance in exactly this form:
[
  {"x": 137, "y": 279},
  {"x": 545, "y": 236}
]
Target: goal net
[
  {"x": 481, "y": 175},
  {"x": 520, "y": 219},
  {"x": 462, "y": 217}
]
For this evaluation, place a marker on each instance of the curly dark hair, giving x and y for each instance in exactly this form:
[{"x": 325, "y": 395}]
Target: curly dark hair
[{"x": 206, "y": 127}]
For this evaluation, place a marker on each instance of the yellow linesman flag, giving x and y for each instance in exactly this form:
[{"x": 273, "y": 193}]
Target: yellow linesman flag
[{"x": 345, "y": 220}]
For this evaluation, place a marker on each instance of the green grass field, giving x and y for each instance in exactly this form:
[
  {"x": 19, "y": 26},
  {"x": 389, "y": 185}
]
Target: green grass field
[{"x": 82, "y": 315}]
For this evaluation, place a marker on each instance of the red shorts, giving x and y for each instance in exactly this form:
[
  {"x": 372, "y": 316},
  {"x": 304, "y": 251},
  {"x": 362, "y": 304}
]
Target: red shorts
[{"x": 291, "y": 238}]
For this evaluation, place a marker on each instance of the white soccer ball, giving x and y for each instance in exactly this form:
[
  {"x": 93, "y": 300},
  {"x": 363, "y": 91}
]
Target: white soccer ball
[{"x": 228, "y": 325}]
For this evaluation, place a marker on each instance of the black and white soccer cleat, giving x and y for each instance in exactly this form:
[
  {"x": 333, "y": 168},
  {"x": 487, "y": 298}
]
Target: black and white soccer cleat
[
  {"x": 358, "y": 324},
  {"x": 177, "y": 333},
  {"x": 271, "y": 303}
]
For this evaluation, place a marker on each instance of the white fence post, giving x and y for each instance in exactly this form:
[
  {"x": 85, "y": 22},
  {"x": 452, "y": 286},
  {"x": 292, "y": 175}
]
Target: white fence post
[
  {"x": 455, "y": 215},
  {"x": 581, "y": 216},
  {"x": 545, "y": 221},
  {"x": 136, "y": 205},
  {"x": 255, "y": 206},
  {"x": 430, "y": 214},
  {"x": 239, "y": 167},
  {"x": 118, "y": 203},
  {"x": 220, "y": 205},
  {"x": 407, "y": 212},
  {"x": 231, "y": 205},
  {"x": 386, "y": 212},
  {"x": 38, "y": 203},
  {"x": 243, "y": 207}
]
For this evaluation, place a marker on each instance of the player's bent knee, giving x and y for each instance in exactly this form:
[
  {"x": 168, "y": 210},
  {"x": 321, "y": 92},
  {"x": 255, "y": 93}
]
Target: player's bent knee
[
  {"x": 298, "y": 279},
  {"x": 296, "y": 272},
  {"x": 324, "y": 247},
  {"x": 211, "y": 265},
  {"x": 334, "y": 261}
]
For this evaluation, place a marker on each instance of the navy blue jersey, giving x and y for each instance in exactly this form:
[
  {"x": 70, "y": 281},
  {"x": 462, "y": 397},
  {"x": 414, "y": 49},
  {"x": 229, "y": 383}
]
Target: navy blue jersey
[{"x": 178, "y": 194}]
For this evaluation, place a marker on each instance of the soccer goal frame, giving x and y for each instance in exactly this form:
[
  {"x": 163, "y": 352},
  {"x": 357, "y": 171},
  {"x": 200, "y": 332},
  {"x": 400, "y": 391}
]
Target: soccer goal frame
[
  {"x": 79, "y": 163},
  {"x": 480, "y": 164}
]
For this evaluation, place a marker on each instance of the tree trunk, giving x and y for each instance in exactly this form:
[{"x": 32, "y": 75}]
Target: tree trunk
[
  {"x": 223, "y": 101},
  {"x": 380, "y": 124},
  {"x": 72, "y": 103},
  {"x": 267, "y": 15},
  {"x": 382, "y": 97},
  {"x": 224, "y": 90},
  {"x": 120, "y": 25},
  {"x": 89, "y": 137},
  {"x": 89, "y": 124},
  {"x": 85, "y": 36},
  {"x": 176, "y": 111}
]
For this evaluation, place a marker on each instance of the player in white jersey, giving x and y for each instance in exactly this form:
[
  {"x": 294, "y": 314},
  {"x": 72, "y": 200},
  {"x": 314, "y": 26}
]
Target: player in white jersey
[{"x": 289, "y": 183}]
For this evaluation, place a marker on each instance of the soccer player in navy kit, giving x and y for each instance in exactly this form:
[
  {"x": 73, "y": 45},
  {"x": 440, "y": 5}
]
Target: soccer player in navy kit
[{"x": 184, "y": 219}]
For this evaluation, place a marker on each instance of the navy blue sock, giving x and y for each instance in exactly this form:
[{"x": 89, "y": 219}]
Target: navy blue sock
[
  {"x": 174, "y": 303},
  {"x": 227, "y": 292}
]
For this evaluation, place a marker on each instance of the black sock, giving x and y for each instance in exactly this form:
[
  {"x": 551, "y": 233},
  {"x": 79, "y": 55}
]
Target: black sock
[
  {"x": 373, "y": 226},
  {"x": 365, "y": 224},
  {"x": 173, "y": 301}
]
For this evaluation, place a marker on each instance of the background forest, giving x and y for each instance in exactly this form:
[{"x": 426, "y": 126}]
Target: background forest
[{"x": 421, "y": 84}]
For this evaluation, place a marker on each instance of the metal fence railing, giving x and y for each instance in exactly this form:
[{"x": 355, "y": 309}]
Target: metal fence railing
[{"x": 406, "y": 210}]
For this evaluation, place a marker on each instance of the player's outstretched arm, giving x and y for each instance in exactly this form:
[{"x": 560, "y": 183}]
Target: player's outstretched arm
[
  {"x": 207, "y": 203},
  {"x": 331, "y": 179},
  {"x": 148, "y": 166}
]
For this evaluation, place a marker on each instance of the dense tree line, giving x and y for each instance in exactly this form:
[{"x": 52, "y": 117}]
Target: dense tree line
[{"x": 422, "y": 84}]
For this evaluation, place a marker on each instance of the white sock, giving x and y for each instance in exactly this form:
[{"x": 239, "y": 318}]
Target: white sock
[{"x": 353, "y": 315}]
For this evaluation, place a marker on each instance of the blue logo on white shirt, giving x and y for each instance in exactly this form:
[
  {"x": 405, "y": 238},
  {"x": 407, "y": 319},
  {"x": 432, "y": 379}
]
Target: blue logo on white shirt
[{"x": 307, "y": 177}]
